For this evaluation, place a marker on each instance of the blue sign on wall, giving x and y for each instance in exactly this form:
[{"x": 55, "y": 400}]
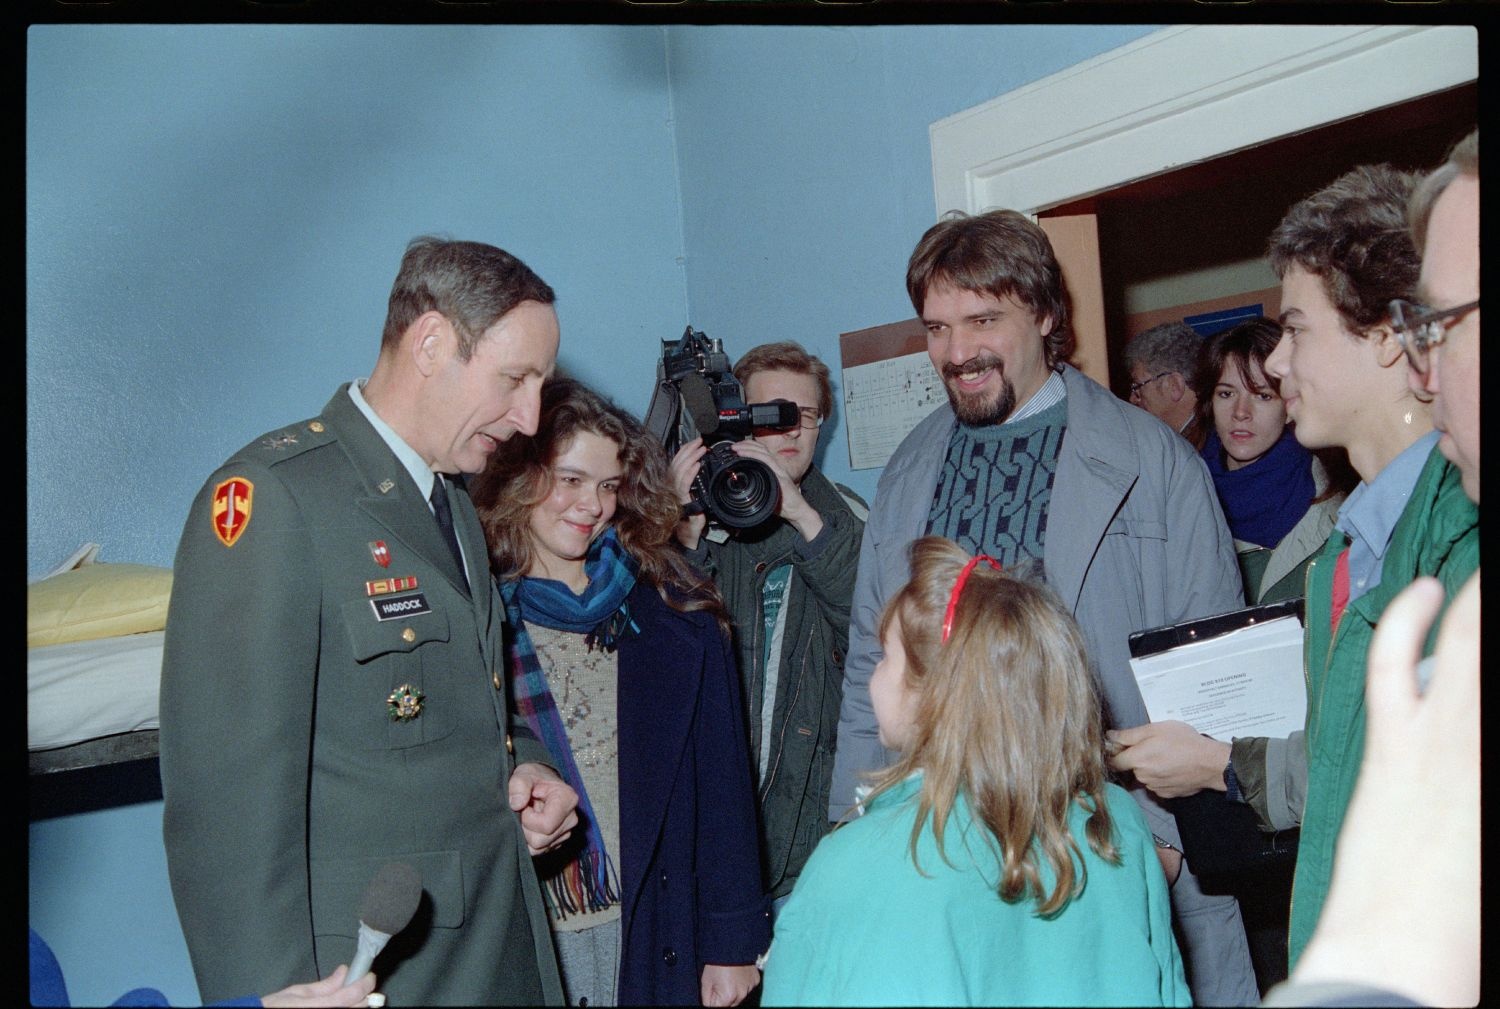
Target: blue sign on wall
[{"x": 1209, "y": 323}]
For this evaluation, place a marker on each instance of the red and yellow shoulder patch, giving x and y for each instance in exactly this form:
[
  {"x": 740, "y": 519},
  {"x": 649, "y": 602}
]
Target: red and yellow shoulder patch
[{"x": 231, "y": 510}]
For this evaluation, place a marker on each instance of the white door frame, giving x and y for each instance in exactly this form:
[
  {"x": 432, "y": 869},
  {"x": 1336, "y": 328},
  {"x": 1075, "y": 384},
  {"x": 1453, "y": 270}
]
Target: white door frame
[{"x": 1178, "y": 96}]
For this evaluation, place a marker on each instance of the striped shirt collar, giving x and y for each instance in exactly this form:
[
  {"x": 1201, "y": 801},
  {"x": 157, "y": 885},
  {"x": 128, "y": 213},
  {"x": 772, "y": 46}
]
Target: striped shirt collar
[{"x": 1053, "y": 391}]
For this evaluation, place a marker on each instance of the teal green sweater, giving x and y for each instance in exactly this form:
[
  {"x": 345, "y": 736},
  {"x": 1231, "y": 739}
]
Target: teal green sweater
[{"x": 865, "y": 927}]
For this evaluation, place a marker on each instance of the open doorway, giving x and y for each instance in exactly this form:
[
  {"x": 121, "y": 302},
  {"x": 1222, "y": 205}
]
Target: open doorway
[
  {"x": 1191, "y": 242},
  {"x": 1181, "y": 98}
]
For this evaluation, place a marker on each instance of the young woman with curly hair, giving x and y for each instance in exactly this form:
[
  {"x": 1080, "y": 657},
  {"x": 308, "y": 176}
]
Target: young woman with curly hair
[{"x": 620, "y": 660}]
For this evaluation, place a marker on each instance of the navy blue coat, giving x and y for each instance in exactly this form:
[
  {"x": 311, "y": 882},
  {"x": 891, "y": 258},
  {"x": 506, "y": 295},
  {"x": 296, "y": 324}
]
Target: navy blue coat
[{"x": 689, "y": 858}]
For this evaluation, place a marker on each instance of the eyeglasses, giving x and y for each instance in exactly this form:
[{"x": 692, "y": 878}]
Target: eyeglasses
[
  {"x": 810, "y": 418},
  {"x": 1136, "y": 387},
  {"x": 807, "y": 418},
  {"x": 1420, "y": 328}
]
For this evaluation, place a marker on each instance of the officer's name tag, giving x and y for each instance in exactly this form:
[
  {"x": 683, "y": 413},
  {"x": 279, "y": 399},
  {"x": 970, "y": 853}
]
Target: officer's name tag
[{"x": 396, "y": 607}]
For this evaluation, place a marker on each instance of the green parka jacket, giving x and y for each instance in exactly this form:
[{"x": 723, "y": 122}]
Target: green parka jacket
[
  {"x": 1437, "y": 534},
  {"x": 793, "y": 798}
]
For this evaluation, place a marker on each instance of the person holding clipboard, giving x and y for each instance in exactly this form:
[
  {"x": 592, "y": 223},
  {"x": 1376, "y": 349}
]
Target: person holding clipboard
[{"x": 1343, "y": 254}]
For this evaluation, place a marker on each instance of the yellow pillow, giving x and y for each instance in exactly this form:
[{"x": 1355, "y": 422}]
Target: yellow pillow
[{"x": 97, "y": 601}]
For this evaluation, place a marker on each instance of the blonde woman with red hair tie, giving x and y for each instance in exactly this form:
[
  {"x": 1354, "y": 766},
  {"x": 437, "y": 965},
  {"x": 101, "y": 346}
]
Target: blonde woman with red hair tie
[{"x": 994, "y": 863}]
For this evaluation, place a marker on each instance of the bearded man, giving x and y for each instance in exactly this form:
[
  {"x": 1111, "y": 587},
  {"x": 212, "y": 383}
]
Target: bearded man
[{"x": 1031, "y": 461}]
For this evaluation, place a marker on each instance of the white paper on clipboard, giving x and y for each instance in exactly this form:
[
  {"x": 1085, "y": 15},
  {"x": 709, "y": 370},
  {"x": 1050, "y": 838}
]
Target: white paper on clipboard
[{"x": 1247, "y": 682}]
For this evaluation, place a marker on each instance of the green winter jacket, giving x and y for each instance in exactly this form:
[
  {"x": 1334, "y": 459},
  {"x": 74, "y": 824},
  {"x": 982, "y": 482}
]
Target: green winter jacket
[
  {"x": 793, "y": 797},
  {"x": 1437, "y": 534},
  {"x": 1276, "y": 574}
]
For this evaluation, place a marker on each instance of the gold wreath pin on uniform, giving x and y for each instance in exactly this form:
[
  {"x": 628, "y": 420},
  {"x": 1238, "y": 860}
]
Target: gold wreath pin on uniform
[{"x": 405, "y": 703}]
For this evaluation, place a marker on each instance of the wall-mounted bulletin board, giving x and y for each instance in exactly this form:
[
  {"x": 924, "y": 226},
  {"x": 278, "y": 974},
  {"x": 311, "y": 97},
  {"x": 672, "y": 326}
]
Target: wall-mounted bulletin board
[{"x": 889, "y": 385}]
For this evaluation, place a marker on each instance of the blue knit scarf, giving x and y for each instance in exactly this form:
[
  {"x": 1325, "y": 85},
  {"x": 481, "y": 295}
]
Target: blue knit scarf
[
  {"x": 589, "y": 882},
  {"x": 1264, "y": 500}
]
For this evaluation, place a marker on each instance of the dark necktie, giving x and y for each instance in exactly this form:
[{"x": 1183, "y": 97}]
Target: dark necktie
[{"x": 444, "y": 514}]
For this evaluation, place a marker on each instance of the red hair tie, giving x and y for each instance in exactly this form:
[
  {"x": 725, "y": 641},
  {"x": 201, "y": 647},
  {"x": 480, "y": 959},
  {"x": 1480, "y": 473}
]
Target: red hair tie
[{"x": 958, "y": 587}]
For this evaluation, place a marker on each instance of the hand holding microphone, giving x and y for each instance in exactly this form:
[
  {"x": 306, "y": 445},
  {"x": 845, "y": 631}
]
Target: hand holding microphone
[
  {"x": 331, "y": 991},
  {"x": 388, "y": 905}
]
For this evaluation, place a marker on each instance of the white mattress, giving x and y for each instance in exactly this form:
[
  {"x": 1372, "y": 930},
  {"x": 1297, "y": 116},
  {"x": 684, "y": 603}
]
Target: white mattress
[{"x": 84, "y": 689}]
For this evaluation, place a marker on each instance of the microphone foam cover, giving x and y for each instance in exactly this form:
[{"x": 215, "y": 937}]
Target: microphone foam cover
[
  {"x": 699, "y": 400},
  {"x": 391, "y": 898}
]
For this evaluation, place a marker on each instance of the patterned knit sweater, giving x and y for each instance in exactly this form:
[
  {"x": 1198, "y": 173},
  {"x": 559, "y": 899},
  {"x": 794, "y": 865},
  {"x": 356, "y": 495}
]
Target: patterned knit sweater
[{"x": 993, "y": 493}]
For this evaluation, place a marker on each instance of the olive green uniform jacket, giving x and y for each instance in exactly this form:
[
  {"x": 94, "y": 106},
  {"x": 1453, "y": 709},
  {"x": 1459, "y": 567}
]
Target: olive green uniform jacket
[
  {"x": 1437, "y": 534},
  {"x": 287, "y": 781}
]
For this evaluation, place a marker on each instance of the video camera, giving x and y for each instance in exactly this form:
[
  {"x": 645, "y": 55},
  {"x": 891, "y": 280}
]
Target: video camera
[{"x": 697, "y": 393}]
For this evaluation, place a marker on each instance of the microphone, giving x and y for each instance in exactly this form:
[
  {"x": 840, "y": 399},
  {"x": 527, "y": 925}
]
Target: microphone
[
  {"x": 388, "y": 905},
  {"x": 699, "y": 400}
]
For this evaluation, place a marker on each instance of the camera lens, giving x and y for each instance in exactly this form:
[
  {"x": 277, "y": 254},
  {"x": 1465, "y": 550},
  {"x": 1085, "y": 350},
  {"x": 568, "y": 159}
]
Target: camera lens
[{"x": 740, "y": 493}]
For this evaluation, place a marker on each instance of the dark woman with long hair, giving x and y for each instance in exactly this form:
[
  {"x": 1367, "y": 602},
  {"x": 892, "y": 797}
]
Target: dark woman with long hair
[{"x": 1279, "y": 499}]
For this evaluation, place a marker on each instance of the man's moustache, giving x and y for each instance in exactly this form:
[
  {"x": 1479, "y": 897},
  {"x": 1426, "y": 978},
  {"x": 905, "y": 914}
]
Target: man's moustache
[{"x": 972, "y": 366}]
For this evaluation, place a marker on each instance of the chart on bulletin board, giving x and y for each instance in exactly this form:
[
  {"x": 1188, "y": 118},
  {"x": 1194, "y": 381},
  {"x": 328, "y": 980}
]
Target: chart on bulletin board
[{"x": 889, "y": 385}]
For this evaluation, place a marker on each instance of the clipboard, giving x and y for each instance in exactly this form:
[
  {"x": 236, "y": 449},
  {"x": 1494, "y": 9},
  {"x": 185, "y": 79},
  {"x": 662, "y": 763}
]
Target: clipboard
[
  {"x": 1162, "y": 639},
  {"x": 1221, "y": 839},
  {"x": 1232, "y": 674}
]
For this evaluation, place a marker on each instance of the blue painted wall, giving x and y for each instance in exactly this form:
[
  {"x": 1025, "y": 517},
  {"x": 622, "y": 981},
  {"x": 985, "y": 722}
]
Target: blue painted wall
[
  {"x": 215, "y": 214},
  {"x": 807, "y": 168},
  {"x": 99, "y": 895}
]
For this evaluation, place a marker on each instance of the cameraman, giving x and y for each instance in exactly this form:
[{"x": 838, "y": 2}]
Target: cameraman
[{"x": 788, "y": 584}]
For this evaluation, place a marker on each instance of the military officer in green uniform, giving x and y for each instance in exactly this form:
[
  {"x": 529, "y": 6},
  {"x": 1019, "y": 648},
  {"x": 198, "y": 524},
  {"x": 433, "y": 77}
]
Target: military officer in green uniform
[{"x": 333, "y": 692}]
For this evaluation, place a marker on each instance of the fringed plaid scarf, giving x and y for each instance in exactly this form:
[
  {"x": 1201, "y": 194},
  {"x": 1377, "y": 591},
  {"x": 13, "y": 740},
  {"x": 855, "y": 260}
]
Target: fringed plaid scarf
[{"x": 589, "y": 882}]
